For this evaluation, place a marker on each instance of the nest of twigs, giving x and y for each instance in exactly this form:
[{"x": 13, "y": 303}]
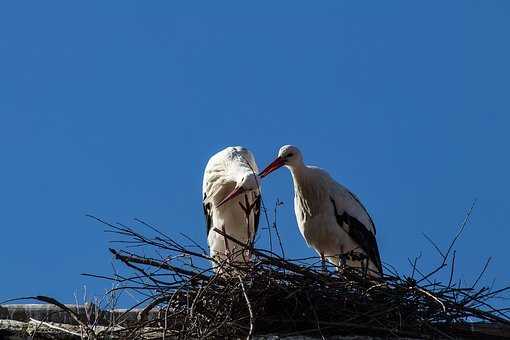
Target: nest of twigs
[{"x": 282, "y": 297}]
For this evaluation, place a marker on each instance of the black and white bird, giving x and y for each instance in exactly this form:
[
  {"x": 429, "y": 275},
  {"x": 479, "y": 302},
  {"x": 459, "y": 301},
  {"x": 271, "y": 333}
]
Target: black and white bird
[
  {"x": 331, "y": 218},
  {"x": 231, "y": 199}
]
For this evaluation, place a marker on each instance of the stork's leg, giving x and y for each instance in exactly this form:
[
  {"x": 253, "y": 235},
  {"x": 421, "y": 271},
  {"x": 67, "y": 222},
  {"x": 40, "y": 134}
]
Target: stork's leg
[
  {"x": 323, "y": 260},
  {"x": 227, "y": 248},
  {"x": 248, "y": 248},
  {"x": 342, "y": 262},
  {"x": 339, "y": 267},
  {"x": 364, "y": 264},
  {"x": 343, "y": 259},
  {"x": 249, "y": 242}
]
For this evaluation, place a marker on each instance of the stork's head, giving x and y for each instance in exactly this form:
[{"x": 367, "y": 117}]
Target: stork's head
[
  {"x": 246, "y": 182},
  {"x": 288, "y": 156}
]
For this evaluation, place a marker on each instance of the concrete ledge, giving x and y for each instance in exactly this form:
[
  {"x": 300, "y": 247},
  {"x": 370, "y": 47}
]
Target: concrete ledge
[
  {"x": 88, "y": 313},
  {"x": 19, "y": 321}
]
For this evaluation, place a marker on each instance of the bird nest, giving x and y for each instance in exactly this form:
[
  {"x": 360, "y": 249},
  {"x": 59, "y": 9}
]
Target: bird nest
[{"x": 279, "y": 296}]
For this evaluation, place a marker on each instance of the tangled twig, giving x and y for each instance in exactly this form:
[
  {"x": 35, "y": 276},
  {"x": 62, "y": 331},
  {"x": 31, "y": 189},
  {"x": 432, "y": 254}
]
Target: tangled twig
[{"x": 275, "y": 295}]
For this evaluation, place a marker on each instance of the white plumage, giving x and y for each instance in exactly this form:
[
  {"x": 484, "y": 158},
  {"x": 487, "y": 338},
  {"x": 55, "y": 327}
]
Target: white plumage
[
  {"x": 330, "y": 217},
  {"x": 230, "y": 188}
]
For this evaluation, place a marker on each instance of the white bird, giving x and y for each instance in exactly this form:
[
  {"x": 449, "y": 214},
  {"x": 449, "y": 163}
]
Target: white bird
[
  {"x": 331, "y": 219},
  {"x": 231, "y": 199}
]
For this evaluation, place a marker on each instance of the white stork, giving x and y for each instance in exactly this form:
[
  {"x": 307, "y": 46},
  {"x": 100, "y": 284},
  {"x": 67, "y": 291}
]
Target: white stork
[
  {"x": 330, "y": 217},
  {"x": 231, "y": 199}
]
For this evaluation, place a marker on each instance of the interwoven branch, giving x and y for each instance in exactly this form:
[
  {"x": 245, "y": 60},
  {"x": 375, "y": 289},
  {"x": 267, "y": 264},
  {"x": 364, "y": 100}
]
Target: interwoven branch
[{"x": 274, "y": 295}]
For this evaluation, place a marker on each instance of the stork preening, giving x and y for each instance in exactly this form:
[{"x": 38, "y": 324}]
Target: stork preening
[
  {"x": 331, "y": 219},
  {"x": 231, "y": 199}
]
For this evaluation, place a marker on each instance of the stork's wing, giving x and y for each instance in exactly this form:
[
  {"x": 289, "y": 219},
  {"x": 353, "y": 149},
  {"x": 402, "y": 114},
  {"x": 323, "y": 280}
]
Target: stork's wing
[
  {"x": 217, "y": 181},
  {"x": 364, "y": 209},
  {"x": 359, "y": 232},
  {"x": 208, "y": 214}
]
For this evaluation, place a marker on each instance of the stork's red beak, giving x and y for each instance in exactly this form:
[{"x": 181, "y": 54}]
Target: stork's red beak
[
  {"x": 277, "y": 163},
  {"x": 234, "y": 193}
]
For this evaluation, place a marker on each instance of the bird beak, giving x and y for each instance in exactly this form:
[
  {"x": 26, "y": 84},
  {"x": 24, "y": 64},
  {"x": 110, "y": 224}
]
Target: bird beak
[
  {"x": 234, "y": 193},
  {"x": 277, "y": 163}
]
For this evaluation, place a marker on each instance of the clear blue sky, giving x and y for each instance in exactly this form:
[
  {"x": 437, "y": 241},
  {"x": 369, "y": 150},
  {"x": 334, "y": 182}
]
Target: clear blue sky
[{"x": 113, "y": 108}]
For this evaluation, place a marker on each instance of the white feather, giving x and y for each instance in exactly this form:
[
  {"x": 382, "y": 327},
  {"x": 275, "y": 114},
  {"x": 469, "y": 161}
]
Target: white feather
[
  {"x": 319, "y": 204},
  {"x": 223, "y": 172}
]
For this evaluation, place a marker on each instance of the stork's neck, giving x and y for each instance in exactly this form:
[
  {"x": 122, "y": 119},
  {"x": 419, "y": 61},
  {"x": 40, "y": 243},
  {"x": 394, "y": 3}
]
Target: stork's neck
[{"x": 298, "y": 171}]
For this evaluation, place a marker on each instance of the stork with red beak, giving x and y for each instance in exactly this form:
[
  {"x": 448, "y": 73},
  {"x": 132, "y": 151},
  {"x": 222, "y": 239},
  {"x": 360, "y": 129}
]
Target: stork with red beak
[
  {"x": 331, "y": 218},
  {"x": 231, "y": 201}
]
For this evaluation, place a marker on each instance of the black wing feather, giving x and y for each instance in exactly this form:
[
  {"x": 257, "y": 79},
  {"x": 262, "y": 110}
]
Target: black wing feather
[
  {"x": 207, "y": 214},
  {"x": 256, "y": 212},
  {"x": 361, "y": 235},
  {"x": 363, "y": 207}
]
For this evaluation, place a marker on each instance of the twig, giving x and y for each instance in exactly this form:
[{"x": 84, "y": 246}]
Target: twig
[
  {"x": 154, "y": 263},
  {"x": 90, "y": 333},
  {"x": 250, "y": 310},
  {"x": 292, "y": 295},
  {"x": 445, "y": 257},
  {"x": 49, "y": 325},
  {"x": 482, "y": 272}
]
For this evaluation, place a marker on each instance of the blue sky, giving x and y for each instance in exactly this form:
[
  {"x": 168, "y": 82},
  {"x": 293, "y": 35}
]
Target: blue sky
[{"x": 113, "y": 108}]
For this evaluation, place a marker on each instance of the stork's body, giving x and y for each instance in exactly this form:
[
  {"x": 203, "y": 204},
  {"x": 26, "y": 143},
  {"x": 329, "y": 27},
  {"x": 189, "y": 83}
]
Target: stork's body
[
  {"x": 231, "y": 202},
  {"x": 331, "y": 219}
]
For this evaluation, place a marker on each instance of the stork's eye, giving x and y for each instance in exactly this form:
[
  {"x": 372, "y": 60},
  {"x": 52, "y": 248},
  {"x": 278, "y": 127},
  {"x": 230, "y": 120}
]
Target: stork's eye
[{"x": 290, "y": 155}]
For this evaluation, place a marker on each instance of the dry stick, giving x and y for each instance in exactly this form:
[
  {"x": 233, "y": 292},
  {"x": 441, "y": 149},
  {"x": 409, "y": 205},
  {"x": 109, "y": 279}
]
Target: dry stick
[
  {"x": 434, "y": 245},
  {"x": 270, "y": 260},
  {"x": 71, "y": 313},
  {"x": 119, "y": 319},
  {"x": 445, "y": 257},
  {"x": 276, "y": 228},
  {"x": 270, "y": 232},
  {"x": 494, "y": 292},
  {"x": 154, "y": 263},
  {"x": 194, "y": 243},
  {"x": 144, "y": 273},
  {"x": 38, "y": 326},
  {"x": 482, "y": 272},
  {"x": 130, "y": 258},
  {"x": 126, "y": 231},
  {"x": 193, "y": 304},
  {"x": 316, "y": 317},
  {"x": 415, "y": 269},
  {"x": 466, "y": 220},
  {"x": 423, "y": 291},
  {"x": 487, "y": 315},
  {"x": 170, "y": 297},
  {"x": 154, "y": 229},
  {"x": 212, "y": 331},
  {"x": 248, "y": 304},
  {"x": 49, "y": 325},
  {"x": 414, "y": 265},
  {"x": 264, "y": 209},
  {"x": 452, "y": 270},
  {"x": 166, "y": 320},
  {"x": 143, "y": 313},
  {"x": 210, "y": 283},
  {"x": 482, "y": 303}
]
